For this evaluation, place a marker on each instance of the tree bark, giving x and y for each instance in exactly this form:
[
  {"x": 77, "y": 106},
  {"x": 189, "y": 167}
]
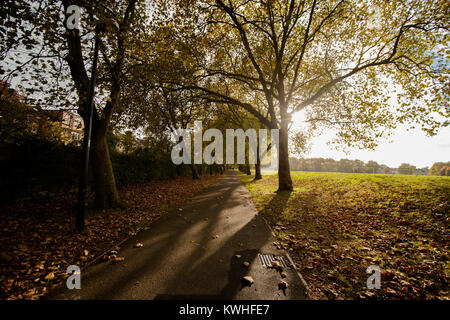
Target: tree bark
[
  {"x": 195, "y": 175},
  {"x": 258, "y": 175},
  {"x": 178, "y": 170},
  {"x": 106, "y": 195},
  {"x": 284, "y": 171},
  {"x": 247, "y": 159},
  {"x": 258, "y": 162}
]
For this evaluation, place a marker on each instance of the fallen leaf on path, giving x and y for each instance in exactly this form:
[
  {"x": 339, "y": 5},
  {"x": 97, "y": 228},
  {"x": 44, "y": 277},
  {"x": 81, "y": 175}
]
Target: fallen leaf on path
[
  {"x": 277, "y": 265},
  {"x": 246, "y": 264},
  {"x": 248, "y": 280},
  {"x": 138, "y": 245},
  {"x": 282, "y": 284},
  {"x": 118, "y": 259}
]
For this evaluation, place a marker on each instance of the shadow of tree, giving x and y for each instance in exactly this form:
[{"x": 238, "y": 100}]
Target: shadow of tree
[{"x": 274, "y": 209}]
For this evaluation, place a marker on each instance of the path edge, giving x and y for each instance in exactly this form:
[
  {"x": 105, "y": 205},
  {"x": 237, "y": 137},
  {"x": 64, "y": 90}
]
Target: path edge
[{"x": 302, "y": 280}]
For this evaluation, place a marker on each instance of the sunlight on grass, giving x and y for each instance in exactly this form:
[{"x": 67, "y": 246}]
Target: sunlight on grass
[{"x": 340, "y": 223}]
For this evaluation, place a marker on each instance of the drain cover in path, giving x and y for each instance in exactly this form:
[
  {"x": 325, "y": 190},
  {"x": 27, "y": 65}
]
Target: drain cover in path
[{"x": 267, "y": 259}]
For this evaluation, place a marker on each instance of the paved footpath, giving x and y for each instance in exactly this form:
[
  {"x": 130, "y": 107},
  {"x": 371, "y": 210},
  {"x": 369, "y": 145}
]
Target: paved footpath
[{"x": 190, "y": 254}]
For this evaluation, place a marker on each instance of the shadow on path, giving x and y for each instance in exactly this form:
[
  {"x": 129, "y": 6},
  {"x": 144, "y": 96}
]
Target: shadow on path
[{"x": 190, "y": 254}]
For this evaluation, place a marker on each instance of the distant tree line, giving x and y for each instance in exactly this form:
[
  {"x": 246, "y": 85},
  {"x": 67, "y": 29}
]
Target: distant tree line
[
  {"x": 356, "y": 166},
  {"x": 440, "y": 169}
]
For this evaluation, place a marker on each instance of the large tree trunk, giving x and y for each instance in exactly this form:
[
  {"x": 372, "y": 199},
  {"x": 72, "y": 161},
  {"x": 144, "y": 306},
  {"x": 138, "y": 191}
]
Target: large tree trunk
[
  {"x": 284, "y": 171},
  {"x": 106, "y": 195},
  {"x": 195, "y": 175}
]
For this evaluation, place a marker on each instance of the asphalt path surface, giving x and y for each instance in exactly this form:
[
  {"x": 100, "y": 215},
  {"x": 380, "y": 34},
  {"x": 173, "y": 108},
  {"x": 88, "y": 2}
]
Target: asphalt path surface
[{"x": 191, "y": 254}]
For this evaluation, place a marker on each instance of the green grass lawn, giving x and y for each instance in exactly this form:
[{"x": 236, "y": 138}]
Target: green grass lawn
[{"x": 335, "y": 225}]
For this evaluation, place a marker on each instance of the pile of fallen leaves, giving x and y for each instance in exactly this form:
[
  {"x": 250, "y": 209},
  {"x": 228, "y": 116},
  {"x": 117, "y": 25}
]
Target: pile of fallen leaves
[
  {"x": 337, "y": 225},
  {"x": 38, "y": 241}
]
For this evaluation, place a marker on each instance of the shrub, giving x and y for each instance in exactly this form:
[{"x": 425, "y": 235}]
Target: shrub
[{"x": 38, "y": 167}]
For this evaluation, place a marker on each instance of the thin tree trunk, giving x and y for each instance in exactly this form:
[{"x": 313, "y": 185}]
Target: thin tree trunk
[
  {"x": 195, "y": 175},
  {"x": 178, "y": 170},
  {"x": 258, "y": 162},
  {"x": 258, "y": 175},
  {"x": 247, "y": 160}
]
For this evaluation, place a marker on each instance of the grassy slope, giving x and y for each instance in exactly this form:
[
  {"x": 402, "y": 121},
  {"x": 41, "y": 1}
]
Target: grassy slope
[{"x": 335, "y": 225}]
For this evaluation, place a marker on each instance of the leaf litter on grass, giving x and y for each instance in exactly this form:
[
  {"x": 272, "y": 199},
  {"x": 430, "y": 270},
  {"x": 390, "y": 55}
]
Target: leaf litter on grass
[{"x": 335, "y": 225}]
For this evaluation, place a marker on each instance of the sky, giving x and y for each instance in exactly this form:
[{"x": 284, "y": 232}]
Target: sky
[
  {"x": 404, "y": 146},
  {"x": 413, "y": 147}
]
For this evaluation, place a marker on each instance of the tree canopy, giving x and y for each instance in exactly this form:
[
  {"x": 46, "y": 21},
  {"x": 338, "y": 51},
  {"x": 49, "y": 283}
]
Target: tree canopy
[{"x": 361, "y": 67}]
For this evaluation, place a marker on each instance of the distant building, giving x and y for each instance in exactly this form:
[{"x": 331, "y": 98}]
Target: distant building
[
  {"x": 20, "y": 119},
  {"x": 422, "y": 171},
  {"x": 71, "y": 124}
]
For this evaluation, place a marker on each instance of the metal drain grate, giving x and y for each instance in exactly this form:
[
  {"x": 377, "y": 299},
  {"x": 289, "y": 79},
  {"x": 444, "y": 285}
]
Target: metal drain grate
[{"x": 267, "y": 259}]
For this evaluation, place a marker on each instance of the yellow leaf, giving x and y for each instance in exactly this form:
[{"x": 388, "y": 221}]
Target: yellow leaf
[{"x": 50, "y": 276}]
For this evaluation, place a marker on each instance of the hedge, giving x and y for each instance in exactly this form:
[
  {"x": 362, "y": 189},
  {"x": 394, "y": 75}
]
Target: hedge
[{"x": 38, "y": 168}]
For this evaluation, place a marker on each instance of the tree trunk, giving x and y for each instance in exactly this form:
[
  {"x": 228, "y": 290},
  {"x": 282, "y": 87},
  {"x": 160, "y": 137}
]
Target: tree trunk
[
  {"x": 284, "y": 171},
  {"x": 258, "y": 175},
  {"x": 106, "y": 195},
  {"x": 258, "y": 162},
  {"x": 178, "y": 170},
  {"x": 195, "y": 175},
  {"x": 247, "y": 160}
]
